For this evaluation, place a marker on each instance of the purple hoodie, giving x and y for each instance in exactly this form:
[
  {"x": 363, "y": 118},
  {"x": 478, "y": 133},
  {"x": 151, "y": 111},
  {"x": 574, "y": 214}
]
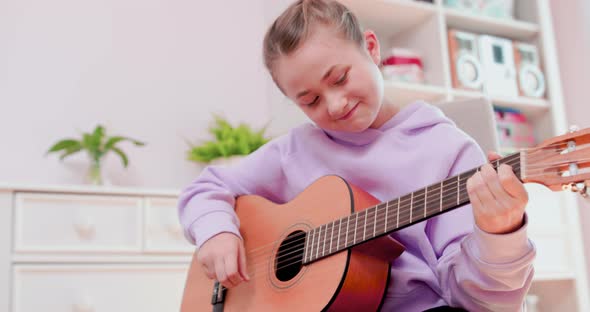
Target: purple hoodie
[{"x": 448, "y": 259}]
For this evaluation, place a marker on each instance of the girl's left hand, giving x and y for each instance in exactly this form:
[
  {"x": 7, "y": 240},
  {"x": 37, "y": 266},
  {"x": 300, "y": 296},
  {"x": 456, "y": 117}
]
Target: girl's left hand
[{"x": 498, "y": 198}]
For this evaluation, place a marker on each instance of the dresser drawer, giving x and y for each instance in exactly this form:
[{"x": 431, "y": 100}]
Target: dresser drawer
[
  {"x": 95, "y": 288},
  {"x": 71, "y": 223},
  {"x": 163, "y": 229}
]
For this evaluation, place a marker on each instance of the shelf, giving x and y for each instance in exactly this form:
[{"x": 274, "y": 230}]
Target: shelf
[
  {"x": 98, "y": 258},
  {"x": 513, "y": 29},
  {"x": 530, "y": 106},
  {"x": 88, "y": 189},
  {"x": 541, "y": 277},
  {"x": 390, "y": 17},
  {"x": 527, "y": 105},
  {"x": 402, "y": 93}
]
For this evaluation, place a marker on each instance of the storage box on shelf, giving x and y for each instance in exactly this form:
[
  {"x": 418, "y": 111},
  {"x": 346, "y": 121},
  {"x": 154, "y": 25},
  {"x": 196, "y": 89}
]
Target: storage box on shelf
[{"x": 82, "y": 248}]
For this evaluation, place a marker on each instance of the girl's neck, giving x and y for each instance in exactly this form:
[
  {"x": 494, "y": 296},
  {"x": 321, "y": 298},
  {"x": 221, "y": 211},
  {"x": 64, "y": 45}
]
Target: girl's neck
[{"x": 387, "y": 111}]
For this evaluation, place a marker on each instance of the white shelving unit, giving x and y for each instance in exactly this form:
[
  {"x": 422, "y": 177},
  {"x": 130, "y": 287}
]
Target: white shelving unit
[
  {"x": 560, "y": 272},
  {"x": 561, "y": 277}
]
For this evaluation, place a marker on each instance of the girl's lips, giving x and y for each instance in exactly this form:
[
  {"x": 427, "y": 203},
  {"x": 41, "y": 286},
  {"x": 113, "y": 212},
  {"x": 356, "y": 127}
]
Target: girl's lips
[{"x": 349, "y": 113}]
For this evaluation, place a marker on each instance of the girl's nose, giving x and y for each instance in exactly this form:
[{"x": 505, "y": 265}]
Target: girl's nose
[{"x": 337, "y": 106}]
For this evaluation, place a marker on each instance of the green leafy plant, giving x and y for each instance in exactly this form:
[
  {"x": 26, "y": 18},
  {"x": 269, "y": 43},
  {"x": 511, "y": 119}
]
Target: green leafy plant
[
  {"x": 229, "y": 141},
  {"x": 97, "y": 144}
]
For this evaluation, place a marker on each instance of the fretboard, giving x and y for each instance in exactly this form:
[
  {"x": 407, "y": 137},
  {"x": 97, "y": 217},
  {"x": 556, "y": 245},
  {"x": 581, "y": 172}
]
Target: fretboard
[{"x": 393, "y": 215}]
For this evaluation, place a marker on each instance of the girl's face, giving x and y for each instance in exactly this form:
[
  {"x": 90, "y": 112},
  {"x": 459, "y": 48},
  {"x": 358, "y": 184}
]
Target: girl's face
[{"x": 337, "y": 84}]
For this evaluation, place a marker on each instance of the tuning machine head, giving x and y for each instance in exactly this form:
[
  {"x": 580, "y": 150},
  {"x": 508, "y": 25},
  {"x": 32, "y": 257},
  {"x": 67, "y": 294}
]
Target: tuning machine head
[{"x": 580, "y": 188}]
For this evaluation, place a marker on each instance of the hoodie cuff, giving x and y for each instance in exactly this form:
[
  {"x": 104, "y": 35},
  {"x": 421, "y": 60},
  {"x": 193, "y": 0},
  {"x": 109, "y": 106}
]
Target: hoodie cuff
[
  {"x": 501, "y": 248},
  {"x": 212, "y": 224}
]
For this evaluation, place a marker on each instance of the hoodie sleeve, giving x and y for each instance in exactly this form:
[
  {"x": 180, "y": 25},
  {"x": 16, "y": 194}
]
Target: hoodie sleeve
[
  {"x": 480, "y": 271},
  {"x": 206, "y": 206}
]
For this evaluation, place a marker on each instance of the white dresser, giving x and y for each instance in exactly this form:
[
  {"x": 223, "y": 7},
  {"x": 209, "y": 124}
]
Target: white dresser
[{"x": 91, "y": 249}]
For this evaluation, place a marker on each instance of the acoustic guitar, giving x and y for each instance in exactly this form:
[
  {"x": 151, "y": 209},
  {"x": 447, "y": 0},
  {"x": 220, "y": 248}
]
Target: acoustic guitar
[{"x": 301, "y": 258}]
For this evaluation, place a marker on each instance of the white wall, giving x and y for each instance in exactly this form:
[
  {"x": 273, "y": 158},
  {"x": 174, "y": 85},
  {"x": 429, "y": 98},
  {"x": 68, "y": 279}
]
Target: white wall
[
  {"x": 150, "y": 69},
  {"x": 572, "y": 34}
]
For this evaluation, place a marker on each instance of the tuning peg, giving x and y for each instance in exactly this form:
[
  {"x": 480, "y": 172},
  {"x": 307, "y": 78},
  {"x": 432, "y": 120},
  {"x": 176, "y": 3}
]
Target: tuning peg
[
  {"x": 574, "y": 128},
  {"x": 581, "y": 188},
  {"x": 584, "y": 191}
]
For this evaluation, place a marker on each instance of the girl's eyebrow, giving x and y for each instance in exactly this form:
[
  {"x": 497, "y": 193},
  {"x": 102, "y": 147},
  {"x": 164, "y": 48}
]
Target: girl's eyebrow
[{"x": 326, "y": 75}]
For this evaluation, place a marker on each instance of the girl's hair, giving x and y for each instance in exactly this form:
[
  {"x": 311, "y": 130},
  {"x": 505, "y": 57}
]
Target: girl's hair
[{"x": 296, "y": 23}]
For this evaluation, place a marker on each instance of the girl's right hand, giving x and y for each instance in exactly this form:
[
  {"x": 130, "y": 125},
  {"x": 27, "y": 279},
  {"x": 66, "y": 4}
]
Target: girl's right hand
[{"x": 223, "y": 258}]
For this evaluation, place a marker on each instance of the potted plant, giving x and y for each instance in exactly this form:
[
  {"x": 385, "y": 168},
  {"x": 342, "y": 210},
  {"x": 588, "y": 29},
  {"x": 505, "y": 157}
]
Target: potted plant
[
  {"x": 97, "y": 144},
  {"x": 229, "y": 143}
]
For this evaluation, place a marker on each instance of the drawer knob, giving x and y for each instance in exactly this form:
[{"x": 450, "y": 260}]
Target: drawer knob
[
  {"x": 83, "y": 308},
  {"x": 174, "y": 230},
  {"x": 84, "y": 305},
  {"x": 85, "y": 228}
]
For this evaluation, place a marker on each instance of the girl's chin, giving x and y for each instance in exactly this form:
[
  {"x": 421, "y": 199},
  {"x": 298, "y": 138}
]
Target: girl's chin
[{"x": 357, "y": 126}]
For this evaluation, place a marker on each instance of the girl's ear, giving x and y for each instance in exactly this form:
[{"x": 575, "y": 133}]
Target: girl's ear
[{"x": 372, "y": 46}]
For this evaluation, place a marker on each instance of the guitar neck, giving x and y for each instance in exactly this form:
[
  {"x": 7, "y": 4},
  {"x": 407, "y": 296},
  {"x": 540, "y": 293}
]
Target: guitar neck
[{"x": 396, "y": 214}]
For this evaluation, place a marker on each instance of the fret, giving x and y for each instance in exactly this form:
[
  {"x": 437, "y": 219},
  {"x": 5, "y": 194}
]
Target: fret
[
  {"x": 338, "y": 241},
  {"x": 458, "y": 188},
  {"x": 398, "y": 204},
  {"x": 441, "y": 195},
  {"x": 306, "y": 254},
  {"x": 326, "y": 237},
  {"x": 371, "y": 219},
  {"x": 425, "y": 200},
  {"x": 324, "y": 241},
  {"x": 317, "y": 252},
  {"x": 375, "y": 221},
  {"x": 365, "y": 226},
  {"x": 346, "y": 240},
  {"x": 411, "y": 205},
  {"x": 386, "y": 211},
  {"x": 331, "y": 238},
  {"x": 356, "y": 221},
  {"x": 312, "y": 242}
]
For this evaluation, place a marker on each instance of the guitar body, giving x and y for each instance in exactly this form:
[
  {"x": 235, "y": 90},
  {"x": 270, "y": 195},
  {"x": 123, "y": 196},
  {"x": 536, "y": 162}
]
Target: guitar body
[{"x": 354, "y": 279}]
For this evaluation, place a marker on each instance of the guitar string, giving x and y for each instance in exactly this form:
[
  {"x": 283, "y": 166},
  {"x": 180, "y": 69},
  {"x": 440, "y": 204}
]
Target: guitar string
[
  {"x": 529, "y": 175},
  {"x": 380, "y": 209},
  {"x": 450, "y": 191},
  {"x": 376, "y": 210},
  {"x": 373, "y": 211},
  {"x": 301, "y": 245},
  {"x": 315, "y": 247},
  {"x": 434, "y": 188},
  {"x": 377, "y": 222}
]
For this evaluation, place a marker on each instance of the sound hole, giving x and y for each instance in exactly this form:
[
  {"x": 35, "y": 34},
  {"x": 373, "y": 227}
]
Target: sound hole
[{"x": 289, "y": 258}]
